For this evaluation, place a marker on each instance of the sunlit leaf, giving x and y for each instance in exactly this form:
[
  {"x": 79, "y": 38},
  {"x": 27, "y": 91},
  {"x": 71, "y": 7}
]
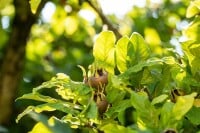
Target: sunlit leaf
[
  {"x": 103, "y": 50},
  {"x": 121, "y": 53},
  {"x": 183, "y": 105},
  {"x": 34, "y": 5},
  {"x": 195, "y": 50},
  {"x": 191, "y": 50},
  {"x": 140, "y": 50},
  {"x": 39, "y": 127},
  {"x": 159, "y": 99},
  {"x": 193, "y": 9}
]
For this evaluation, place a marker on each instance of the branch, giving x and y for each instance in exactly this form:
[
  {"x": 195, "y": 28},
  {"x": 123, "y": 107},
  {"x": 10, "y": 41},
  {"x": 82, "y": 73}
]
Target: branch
[{"x": 105, "y": 19}]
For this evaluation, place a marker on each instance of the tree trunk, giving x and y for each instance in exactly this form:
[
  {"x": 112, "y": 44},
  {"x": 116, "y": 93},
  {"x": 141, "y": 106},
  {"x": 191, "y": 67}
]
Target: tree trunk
[{"x": 13, "y": 61}]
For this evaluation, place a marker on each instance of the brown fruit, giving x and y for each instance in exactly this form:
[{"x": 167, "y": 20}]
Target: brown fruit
[
  {"x": 102, "y": 105},
  {"x": 99, "y": 81}
]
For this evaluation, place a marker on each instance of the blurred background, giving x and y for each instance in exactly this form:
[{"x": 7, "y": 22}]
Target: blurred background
[{"x": 60, "y": 36}]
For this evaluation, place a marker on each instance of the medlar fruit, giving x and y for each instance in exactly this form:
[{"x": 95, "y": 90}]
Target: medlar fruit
[
  {"x": 102, "y": 104},
  {"x": 99, "y": 80}
]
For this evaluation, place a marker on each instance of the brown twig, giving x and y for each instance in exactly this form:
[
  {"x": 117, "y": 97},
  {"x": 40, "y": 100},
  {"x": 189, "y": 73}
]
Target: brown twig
[{"x": 105, "y": 19}]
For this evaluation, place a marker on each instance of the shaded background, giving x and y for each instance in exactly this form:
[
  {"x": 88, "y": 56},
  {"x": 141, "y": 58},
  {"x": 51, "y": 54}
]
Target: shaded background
[{"x": 34, "y": 47}]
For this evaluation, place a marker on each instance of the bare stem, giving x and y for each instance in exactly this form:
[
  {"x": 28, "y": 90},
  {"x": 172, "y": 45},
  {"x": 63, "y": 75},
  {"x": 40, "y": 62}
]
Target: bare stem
[{"x": 105, "y": 19}]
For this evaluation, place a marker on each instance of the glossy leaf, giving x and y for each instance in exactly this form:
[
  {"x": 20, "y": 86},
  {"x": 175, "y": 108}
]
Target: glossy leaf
[{"x": 103, "y": 51}]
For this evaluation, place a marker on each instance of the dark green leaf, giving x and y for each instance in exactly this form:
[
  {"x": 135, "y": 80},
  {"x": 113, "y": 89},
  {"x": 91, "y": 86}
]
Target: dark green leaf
[
  {"x": 193, "y": 115},
  {"x": 118, "y": 107}
]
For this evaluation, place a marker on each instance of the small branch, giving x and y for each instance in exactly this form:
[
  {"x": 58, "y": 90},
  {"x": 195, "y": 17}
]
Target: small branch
[{"x": 105, "y": 19}]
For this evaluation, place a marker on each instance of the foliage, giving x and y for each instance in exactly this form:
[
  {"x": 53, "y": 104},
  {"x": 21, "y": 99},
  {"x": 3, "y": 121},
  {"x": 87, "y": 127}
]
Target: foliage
[
  {"x": 158, "y": 93},
  {"x": 150, "y": 87}
]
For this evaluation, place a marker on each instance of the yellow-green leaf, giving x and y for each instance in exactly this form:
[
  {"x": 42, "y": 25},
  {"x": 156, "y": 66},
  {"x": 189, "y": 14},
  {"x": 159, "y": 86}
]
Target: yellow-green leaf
[
  {"x": 193, "y": 9},
  {"x": 103, "y": 51},
  {"x": 183, "y": 105},
  {"x": 121, "y": 53},
  {"x": 40, "y": 128}
]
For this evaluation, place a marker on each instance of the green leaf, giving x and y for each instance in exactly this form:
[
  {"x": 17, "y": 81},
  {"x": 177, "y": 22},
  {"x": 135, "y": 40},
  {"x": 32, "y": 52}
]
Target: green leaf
[
  {"x": 66, "y": 107},
  {"x": 103, "y": 51},
  {"x": 183, "y": 105},
  {"x": 166, "y": 117},
  {"x": 141, "y": 50},
  {"x": 38, "y": 97},
  {"x": 193, "y": 115},
  {"x": 114, "y": 128},
  {"x": 193, "y": 9},
  {"x": 118, "y": 107},
  {"x": 34, "y": 5},
  {"x": 191, "y": 50},
  {"x": 138, "y": 67},
  {"x": 121, "y": 53},
  {"x": 140, "y": 101},
  {"x": 60, "y": 80},
  {"x": 159, "y": 99},
  {"x": 92, "y": 111}
]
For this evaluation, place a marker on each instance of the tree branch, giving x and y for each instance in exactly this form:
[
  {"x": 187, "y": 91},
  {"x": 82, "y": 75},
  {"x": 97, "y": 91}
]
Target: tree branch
[{"x": 105, "y": 19}]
